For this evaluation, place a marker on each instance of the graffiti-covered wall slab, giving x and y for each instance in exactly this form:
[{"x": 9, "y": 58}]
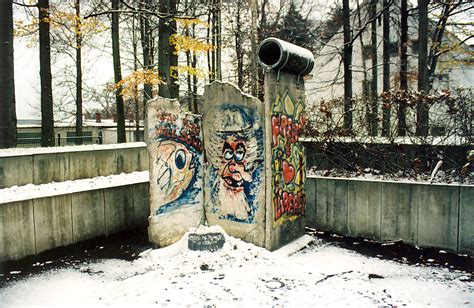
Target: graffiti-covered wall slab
[
  {"x": 234, "y": 142},
  {"x": 174, "y": 142},
  {"x": 284, "y": 103}
]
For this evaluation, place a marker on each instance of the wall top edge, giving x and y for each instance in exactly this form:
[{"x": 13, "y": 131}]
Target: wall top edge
[
  {"x": 31, "y": 191},
  {"x": 16, "y": 152},
  {"x": 387, "y": 181}
]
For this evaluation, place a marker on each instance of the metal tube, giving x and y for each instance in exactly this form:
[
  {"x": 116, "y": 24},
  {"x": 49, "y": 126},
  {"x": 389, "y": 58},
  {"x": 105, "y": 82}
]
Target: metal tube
[{"x": 280, "y": 55}]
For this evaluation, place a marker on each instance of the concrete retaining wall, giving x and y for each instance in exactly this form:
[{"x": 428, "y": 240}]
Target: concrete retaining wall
[
  {"x": 31, "y": 226},
  {"x": 428, "y": 215},
  {"x": 19, "y": 167}
]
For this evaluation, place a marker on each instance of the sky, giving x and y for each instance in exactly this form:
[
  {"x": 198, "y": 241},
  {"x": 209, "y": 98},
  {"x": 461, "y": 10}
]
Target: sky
[{"x": 97, "y": 70}]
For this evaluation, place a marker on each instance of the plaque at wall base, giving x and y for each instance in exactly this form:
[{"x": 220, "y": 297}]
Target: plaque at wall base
[{"x": 206, "y": 241}]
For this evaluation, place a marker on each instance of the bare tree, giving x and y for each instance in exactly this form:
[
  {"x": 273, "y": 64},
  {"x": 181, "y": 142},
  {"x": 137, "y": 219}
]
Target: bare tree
[
  {"x": 386, "y": 68},
  {"x": 47, "y": 118},
  {"x": 167, "y": 56},
  {"x": 78, "y": 47},
  {"x": 146, "y": 41},
  {"x": 347, "y": 66},
  {"x": 423, "y": 85},
  {"x": 7, "y": 78},
  {"x": 239, "y": 51},
  {"x": 373, "y": 52},
  {"x": 448, "y": 9},
  {"x": 253, "y": 41},
  {"x": 121, "y": 137},
  {"x": 402, "y": 126}
]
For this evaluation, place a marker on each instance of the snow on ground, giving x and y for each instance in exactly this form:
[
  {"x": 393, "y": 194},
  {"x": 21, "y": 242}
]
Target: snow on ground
[
  {"x": 243, "y": 275},
  {"x": 31, "y": 191}
]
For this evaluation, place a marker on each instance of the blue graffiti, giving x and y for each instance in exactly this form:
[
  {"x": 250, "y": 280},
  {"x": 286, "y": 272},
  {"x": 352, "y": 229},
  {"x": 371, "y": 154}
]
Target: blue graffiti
[
  {"x": 178, "y": 161},
  {"x": 236, "y": 156},
  {"x": 190, "y": 194}
]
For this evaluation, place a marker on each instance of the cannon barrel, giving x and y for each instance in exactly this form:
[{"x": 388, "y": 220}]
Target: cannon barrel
[{"x": 281, "y": 55}]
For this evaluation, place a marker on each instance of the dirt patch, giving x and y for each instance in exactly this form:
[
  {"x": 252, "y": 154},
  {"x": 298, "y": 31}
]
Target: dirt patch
[{"x": 125, "y": 246}]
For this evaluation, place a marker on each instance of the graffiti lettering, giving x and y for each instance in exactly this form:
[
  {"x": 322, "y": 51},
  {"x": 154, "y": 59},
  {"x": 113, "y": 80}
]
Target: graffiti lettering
[
  {"x": 287, "y": 128},
  {"x": 169, "y": 127},
  {"x": 289, "y": 203},
  {"x": 288, "y": 163}
]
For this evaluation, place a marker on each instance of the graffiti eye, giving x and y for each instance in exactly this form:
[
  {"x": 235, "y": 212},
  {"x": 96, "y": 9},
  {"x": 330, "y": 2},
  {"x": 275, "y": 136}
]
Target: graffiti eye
[
  {"x": 228, "y": 154},
  {"x": 239, "y": 155},
  {"x": 180, "y": 159}
]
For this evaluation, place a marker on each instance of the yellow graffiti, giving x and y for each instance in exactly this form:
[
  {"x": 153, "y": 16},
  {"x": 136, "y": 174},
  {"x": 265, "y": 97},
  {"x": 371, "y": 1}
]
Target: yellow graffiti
[{"x": 288, "y": 198}]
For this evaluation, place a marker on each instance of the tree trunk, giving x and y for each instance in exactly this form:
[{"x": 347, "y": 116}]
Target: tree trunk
[
  {"x": 448, "y": 8},
  {"x": 135, "y": 87},
  {"x": 189, "y": 77},
  {"x": 121, "y": 137},
  {"x": 47, "y": 118},
  {"x": 365, "y": 85},
  {"x": 146, "y": 51},
  {"x": 254, "y": 47},
  {"x": 347, "y": 67},
  {"x": 213, "y": 40},
  {"x": 219, "y": 39},
  {"x": 194, "y": 108},
  {"x": 78, "y": 33},
  {"x": 167, "y": 56},
  {"x": 374, "y": 84},
  {"x": 238, "y": 46},
  {"x": 209, "y": 41},
  {"x": 386, "y": 68},
  {"x": 402, "y": 126},
  {"x": 423, "y": 85},
  {"x": 7, "y": 78},
  {"x": 365, "y": 88},
  {"x": 195, "y": 85}
]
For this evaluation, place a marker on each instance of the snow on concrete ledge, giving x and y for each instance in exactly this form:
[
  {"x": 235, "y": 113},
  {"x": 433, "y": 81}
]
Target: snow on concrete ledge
[
  {"x": 377, "y": 179},
  {"x": 31, "y": 191},
  {"x": 67, "y": 149}
]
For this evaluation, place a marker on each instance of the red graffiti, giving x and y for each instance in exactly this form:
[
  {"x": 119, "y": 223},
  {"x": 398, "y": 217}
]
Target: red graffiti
[
  {"x": 287, "y": 128},
  {"x": 288, "y": 172},
  {"x": 289, "y": 203},
  {"x": 187, "y": 132}
]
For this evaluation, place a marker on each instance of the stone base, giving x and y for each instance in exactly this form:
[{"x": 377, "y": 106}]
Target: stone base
[{"x": 164, "y": 230}]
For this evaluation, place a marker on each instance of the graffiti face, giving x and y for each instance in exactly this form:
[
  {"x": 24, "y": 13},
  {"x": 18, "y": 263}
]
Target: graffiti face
[
  {"x": 235, "y": 152},
  {"x": 175, "y": 169},
  {"x": 234, "y": 173}
]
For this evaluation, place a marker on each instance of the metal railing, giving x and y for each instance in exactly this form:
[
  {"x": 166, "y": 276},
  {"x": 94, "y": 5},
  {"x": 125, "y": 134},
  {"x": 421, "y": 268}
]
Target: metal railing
[{"x": 59, "y": 141}]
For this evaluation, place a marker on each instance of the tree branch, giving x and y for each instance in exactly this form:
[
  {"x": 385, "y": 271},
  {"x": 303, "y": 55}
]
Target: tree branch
[{"x": 25, "y": 5}]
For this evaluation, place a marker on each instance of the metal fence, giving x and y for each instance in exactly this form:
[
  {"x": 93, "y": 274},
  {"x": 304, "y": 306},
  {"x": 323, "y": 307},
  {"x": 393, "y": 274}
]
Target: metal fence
[{"x": 59, "y": 141}]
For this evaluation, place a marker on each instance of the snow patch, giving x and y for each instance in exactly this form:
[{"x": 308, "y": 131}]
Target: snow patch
[
  {"x": 244, "y": 275},
  {"x": 67, "y": 149},
  {"x": 31, "y": 191}
]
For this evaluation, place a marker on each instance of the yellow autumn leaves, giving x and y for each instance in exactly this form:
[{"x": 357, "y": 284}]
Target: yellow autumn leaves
[
  {"x": 59, "y": 21},
  {"x": 186, "y": 43},
  {"x": 182, "y": 43},
  {"x": 136, "y": 78}
]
